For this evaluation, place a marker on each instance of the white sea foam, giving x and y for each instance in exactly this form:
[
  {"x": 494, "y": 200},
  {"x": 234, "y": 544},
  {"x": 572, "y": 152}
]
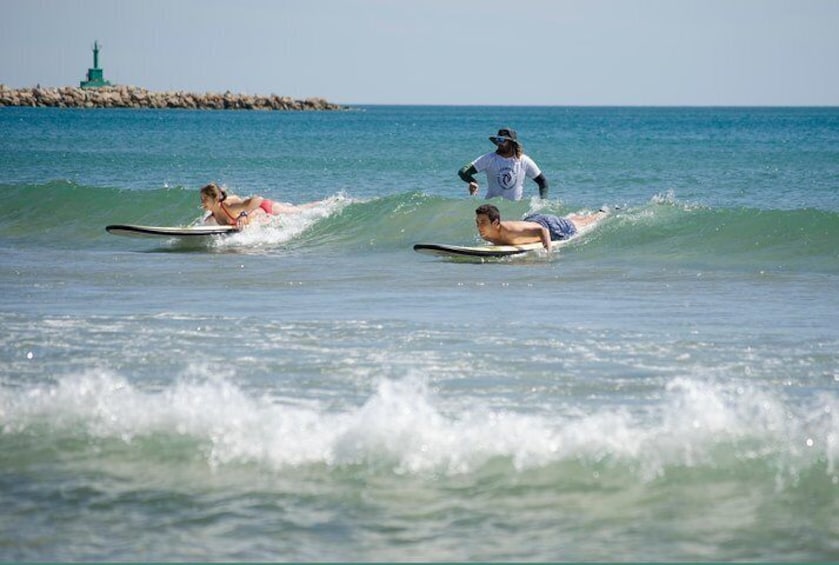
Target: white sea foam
[
  {"x": 402, "y": 425},
  {"x": 283, "y": 228}
]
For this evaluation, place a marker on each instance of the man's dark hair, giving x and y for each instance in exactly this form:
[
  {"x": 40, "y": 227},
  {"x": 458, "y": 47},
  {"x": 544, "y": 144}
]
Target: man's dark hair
[{"x": 489, "y": 211}]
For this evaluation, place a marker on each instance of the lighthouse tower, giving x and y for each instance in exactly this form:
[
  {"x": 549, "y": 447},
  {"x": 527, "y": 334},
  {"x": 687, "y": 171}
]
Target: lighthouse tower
[{"x": 94, "y": 75}]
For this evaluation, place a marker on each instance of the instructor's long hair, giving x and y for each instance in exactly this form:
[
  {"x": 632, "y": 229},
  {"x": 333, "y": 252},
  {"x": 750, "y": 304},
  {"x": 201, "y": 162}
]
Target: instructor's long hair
[{"x": 519, "y": 149}]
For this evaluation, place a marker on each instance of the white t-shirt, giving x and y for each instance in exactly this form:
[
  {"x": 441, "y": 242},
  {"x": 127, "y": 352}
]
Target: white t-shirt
[{"x": 505, "y": 175}]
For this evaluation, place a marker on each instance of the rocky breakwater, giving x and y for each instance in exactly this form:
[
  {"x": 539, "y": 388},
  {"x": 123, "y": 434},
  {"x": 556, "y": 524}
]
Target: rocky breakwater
[{"x": 134, "y": 97}]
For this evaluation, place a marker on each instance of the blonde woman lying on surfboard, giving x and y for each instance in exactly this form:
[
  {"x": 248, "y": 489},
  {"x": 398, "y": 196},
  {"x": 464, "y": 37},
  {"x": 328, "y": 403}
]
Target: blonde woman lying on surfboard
[
  {"x": 533, "y": 229},
  {"x": 232, "y": 210}
]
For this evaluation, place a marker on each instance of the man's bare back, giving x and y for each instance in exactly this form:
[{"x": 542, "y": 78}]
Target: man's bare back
[{"x": 519, "y": 232}]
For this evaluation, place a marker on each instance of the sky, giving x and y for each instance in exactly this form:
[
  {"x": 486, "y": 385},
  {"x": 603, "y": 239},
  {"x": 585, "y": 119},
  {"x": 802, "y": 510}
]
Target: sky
[{"x": 452, "y": 52}]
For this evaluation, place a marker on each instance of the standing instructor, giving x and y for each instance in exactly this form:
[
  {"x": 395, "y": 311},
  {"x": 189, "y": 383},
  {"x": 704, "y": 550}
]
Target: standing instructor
[{"x": 506, "y": 168}]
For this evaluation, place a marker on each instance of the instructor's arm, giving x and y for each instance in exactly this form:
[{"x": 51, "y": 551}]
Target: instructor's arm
[
  {"x": 543, "y": 186},
  {"x": 466, "y": 174}
]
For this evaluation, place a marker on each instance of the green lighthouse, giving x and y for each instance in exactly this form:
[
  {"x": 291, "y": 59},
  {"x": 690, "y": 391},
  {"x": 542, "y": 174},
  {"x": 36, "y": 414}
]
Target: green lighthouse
[{"x": 94, "y": 75}]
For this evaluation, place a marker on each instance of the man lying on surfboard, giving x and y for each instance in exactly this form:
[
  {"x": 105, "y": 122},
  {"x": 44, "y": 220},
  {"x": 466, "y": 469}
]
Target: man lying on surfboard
[
  {"x": 231, "y": 210},
  {"x": 533, "y": 229}
]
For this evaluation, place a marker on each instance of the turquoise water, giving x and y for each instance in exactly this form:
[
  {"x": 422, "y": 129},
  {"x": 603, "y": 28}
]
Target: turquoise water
[{"x": 665, "y": 388}]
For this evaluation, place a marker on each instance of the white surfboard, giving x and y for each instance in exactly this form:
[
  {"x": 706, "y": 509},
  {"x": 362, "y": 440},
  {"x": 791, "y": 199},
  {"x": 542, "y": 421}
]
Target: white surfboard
[
  {"x": 131, "y": 230},
  {"x": 445, "y": 250}
]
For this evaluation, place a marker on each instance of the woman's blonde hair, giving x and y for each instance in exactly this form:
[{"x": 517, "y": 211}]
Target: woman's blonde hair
[{"x": 214, "y": 191}]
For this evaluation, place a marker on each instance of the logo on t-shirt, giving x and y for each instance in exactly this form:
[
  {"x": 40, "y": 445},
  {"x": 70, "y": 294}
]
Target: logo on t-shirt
[{"x": 506, "y": 178}]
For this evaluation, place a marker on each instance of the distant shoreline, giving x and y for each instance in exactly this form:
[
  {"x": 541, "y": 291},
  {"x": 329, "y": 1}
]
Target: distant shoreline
[{"x": 135, "y": 97}]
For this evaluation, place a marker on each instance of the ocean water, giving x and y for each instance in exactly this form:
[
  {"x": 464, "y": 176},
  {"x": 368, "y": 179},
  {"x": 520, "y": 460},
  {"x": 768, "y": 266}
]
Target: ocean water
[{"x": 666, "y": 388}]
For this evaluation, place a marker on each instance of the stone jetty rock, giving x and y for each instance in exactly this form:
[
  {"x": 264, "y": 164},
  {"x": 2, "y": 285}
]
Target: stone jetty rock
[{"x": 134, "y": 97}]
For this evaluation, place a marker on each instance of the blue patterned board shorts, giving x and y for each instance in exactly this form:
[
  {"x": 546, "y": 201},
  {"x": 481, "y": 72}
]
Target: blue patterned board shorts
[{"x": 560, "y": 228}]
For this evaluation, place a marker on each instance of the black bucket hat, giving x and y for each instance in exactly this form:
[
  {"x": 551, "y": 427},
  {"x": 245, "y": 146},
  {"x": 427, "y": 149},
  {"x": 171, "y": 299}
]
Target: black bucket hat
[{"x": 505, "y": 134}]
